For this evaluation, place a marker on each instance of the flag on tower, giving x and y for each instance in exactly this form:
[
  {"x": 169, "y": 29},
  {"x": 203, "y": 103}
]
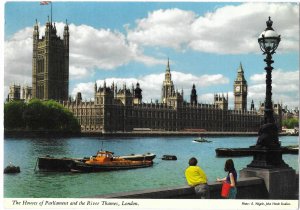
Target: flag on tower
[{"x": 45, "y": 2}]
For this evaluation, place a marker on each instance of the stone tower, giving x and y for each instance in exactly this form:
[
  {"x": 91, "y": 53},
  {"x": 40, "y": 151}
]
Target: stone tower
[
  {"x": 137, "y": 94},
  {"x": 240, "y": 90},
  {"x": 194, "y": 95},
  {"x": 14, "y": 92},
  {"x": 50, "y": 64},
  {"x": 221, "y": 101},
  {"x": 168, "y": 90}
]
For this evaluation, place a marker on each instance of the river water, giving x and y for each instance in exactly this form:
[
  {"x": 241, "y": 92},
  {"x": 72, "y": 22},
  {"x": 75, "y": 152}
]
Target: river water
[{"x": 34, "y": 184}]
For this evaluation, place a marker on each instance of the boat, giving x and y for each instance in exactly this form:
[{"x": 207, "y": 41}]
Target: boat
[
  {"x": 12, "y": 169},
  {"x": 106, "y": 161},
  {"x": 239, "y": 152},
  {"x": 146, "y": 156},
  {"x": 233, "y": 152},
  {"x": 201, "y": 140},
  {"x": 169, "y": 157},
  {"x": 64, "y": 164}
]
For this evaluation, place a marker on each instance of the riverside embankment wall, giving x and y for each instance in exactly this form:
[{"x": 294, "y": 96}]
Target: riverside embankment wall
[
  {"x": 248, "y": 188},
  {"x": 45, "y": 133}
]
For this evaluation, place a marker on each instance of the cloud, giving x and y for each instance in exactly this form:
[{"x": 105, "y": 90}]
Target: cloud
[
  {"x": 17, "y": 58},
  {"x": 164, "y": 28},
  {"x": 285, "y": 87},
  {"x": 227, "y": 30},
  {"x": 90, "y": 49},
  {"x": 151, "y": 84}
]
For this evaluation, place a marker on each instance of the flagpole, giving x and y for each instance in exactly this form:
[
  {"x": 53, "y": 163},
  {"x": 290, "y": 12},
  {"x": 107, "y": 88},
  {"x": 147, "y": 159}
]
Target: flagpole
[{"x": 51, "y": 11}]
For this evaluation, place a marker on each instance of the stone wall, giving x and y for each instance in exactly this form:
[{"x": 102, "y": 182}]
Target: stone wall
[{"x": 248, "y": 188}]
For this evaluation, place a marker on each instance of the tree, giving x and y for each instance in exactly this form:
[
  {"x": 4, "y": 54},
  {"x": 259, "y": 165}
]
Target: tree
[
  {"x": 290, "y": 123},
  {"x": 13, "y": 112},
  {"x": 39, "y": 115},
  {"x": 35, "y": 115}
]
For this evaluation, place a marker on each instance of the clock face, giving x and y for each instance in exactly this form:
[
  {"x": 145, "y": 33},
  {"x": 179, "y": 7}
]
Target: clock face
[
  {"x": 245, "y": 88},
  {"x": 237, "y": 88}
]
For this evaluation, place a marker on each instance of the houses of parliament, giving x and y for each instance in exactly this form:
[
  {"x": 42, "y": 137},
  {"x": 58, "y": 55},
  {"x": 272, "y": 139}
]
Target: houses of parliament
[{"x": 121, "y": 109}]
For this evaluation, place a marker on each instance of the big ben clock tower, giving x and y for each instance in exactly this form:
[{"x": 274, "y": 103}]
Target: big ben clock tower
[{"x": 240, "y": 90}]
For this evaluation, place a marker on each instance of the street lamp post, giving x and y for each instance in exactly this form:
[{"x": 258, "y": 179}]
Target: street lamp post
[
  {"x": 268, "y": 153},
  {"x": 268, "y": 42},
  {"x": 280, "y": 179}
]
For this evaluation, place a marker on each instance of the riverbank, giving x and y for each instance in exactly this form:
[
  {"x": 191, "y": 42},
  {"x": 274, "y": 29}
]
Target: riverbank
[{"x": 49, "y": 133}]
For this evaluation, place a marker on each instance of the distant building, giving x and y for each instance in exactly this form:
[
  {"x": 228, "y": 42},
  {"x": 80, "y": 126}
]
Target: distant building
[
  {"x": 26, "y": 93},
  {"x": 14, "y": 92},
  {"x": 50, "y": 64},
  {"x": 277, "y": 110},
  {"x": 18, "y": 93},
  {"x": 290, "y": 113},
  {"x": 122, "y": 110}
]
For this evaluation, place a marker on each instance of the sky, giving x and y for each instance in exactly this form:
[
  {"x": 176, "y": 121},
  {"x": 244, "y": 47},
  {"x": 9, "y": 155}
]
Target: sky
[{"x": 132, "y": 41}]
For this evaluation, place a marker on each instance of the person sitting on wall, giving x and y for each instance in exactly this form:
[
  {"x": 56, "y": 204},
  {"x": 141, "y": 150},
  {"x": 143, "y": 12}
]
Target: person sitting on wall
[
  {"x": 196, "y": 178},
  {"x": 231, "y": 178}
]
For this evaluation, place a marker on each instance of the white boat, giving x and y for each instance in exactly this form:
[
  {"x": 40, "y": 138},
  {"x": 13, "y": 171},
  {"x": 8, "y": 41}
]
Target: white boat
[{"x": 201, "y": 139}]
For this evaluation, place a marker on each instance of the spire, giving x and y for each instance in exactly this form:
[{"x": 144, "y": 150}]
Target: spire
[
  {"x": 252, "y": 105},
  {"x": 168, "y": 72},
  {"x": 168, "y": 65},
  {"x": 66, "y": 28},
  {"x": 67, "y": 25},
  {"x": 36, "y": 29},
  {"x": 240, "y": 73},
  {"x": 240, "y": 69}
]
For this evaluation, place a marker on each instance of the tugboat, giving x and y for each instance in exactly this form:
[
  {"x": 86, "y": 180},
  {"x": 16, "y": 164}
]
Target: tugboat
[{"x": 105, "y": 161}]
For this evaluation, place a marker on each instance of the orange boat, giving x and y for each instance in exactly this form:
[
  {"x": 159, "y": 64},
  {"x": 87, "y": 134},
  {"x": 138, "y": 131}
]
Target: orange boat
[{"x": 105, "y": 161}]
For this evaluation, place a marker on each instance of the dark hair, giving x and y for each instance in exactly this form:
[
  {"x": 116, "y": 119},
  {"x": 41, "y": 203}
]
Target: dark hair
[
  {"x": 193, "y": 161},
  {"x": 229, "y": 165}
]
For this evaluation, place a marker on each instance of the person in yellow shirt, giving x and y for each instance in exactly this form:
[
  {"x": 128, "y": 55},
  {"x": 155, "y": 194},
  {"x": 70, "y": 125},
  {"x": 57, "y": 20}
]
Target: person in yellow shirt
[{"x": 196, "y": 178}]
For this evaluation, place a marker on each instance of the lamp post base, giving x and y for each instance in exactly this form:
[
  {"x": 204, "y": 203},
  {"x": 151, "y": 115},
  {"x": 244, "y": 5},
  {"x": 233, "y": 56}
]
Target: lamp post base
[
  {"x": 280, "y": 182},
  {"x": 267, "y": 158}
]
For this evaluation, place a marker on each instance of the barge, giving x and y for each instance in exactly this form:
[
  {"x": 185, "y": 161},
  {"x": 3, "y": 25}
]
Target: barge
[{"x": 240, "y": 152}]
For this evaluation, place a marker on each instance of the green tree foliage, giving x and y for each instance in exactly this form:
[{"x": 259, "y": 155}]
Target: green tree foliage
[
  {"x": 38, "y": 115},
  {"x": 13, "y": 112},
  {"x": 290, "y": 122}
]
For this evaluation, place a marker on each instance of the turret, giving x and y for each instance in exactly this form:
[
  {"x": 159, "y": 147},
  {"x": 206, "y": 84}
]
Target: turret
[
  {"x": 137, "y": 94},
  {"x": 36, "y": 31},
  {"x": 95, "y": 87},
  {"x": 252, "y": 106},
  {"x": 66, "y": 35},
  {"x": 48, "y": 30},
  {"x": 194, "y": 95}
]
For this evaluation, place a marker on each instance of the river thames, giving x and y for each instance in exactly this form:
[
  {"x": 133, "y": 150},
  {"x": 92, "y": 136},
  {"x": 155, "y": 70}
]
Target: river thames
[{"x": 23, "y": 152}]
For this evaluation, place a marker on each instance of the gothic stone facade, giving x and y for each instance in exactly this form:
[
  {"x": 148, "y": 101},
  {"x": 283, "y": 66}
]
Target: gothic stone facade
[
  {"x": 50, "y": 64},
  {"x": 122, "y": 110}
]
